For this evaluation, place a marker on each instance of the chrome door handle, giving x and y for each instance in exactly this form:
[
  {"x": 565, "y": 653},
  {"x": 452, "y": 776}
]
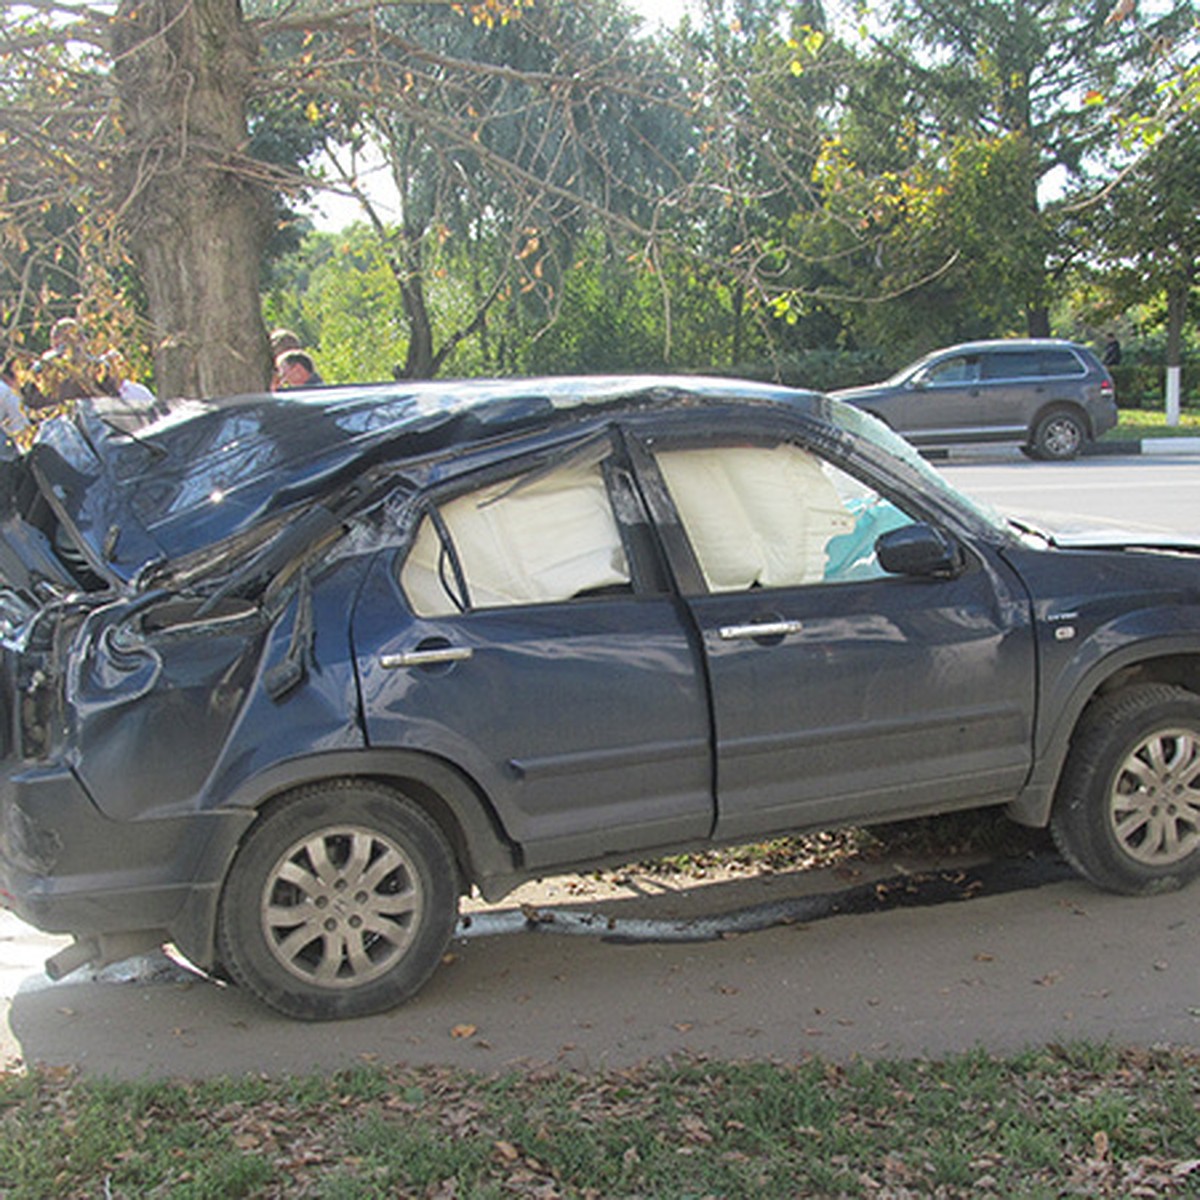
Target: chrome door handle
[
  {"x": 425, "y": 658},
  {"x": 767, "y": 629}
]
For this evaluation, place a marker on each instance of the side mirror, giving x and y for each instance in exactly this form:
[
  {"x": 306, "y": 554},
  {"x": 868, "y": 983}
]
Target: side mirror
[
  {"x": 919, "y": 382},
  {"x": 921, "y": 551}
]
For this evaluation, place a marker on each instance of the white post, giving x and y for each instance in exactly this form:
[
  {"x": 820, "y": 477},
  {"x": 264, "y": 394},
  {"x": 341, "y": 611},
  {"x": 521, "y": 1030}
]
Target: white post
[{"x": 1173, "y": 390}]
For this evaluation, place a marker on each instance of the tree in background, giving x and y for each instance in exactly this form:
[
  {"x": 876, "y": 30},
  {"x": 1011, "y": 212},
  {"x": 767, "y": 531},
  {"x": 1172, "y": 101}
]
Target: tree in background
[
  {"x": 504, "y": 147},
  {"x": 1149, "y": 235},
  {"x": 965, "y": 130},
  {"x": 195, "y": 204},
  {"x": 146, "y": 109},
  {"x": 56, "y": 241},
  {"x": 564, "y": 143}
]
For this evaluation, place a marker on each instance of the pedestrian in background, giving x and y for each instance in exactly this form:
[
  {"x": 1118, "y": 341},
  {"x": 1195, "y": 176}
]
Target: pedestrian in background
[
  {"x": 282, "y": 340},
  {"x": 69, "y": 370},
  {"x": 13, "y": 420},
  {"x": 295, "y": 369}
]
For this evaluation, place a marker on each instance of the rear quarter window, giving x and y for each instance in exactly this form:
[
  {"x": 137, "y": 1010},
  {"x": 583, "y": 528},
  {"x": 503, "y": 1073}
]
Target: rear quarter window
[
  {"x": 1032, "y": 364},
  {"x": 1061, "y": 362}
]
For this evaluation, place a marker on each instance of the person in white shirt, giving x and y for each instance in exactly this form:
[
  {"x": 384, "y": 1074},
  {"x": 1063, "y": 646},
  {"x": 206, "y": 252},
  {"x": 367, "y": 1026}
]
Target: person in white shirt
[{"x": 12, "y": 412}]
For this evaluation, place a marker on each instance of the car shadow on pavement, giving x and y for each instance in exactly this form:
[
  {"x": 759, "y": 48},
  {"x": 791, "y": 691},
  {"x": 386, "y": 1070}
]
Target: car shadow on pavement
[{"x": 629, "y": 921}]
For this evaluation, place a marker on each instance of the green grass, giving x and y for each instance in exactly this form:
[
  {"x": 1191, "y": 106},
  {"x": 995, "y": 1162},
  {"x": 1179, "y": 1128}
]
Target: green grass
[
  {"x": 1138, "y": 423},
  {"x": 1086, "y": 1119}
]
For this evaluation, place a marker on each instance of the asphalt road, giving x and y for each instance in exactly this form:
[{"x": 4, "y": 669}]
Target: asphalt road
[
  {"x": 1003, "y": 971},
  {"x": 1152, "y": 490}
]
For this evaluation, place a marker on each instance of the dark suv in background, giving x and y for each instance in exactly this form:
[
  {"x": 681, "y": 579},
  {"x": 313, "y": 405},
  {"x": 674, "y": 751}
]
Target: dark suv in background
[{"x": 1050, "y": 396}]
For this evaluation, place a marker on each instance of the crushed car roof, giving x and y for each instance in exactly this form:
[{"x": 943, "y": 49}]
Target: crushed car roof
[{"x": 204, "y": 470}]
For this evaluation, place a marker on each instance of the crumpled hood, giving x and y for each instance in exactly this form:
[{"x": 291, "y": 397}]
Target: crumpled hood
[
  {"x": 203, "y": 472},
  {"x": 1073, "y": 532}
]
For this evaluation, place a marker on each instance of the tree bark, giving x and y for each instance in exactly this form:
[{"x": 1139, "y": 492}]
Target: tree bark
[
  {"x": 1178, "y": 288},
  {"x": 419, "y": 359},
  {"x": 1038, "y": 321},
  {"x": 196, "y": 217}
]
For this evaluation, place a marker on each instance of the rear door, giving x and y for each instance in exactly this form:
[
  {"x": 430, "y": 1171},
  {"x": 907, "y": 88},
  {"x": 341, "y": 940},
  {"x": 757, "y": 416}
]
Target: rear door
[
  {"x": 527, "y": 637},
  {"x": 1014, "y": 389}
]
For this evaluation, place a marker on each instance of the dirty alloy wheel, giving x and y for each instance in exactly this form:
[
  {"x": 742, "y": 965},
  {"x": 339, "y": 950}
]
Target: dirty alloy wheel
[
  {"x": 1058, "y": 436},
  {"x": 339, "y": 903},
  {"x": 1127, "y": 814}
]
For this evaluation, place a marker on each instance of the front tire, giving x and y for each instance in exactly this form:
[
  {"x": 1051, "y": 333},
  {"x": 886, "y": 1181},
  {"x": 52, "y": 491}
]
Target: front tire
[
  {"x": 1127, "y": 815},
  {"x": 339, "y": 903},
  {"x": 1058, "y": 436}
]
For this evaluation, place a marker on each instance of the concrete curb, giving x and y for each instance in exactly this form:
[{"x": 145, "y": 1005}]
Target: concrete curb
[
  {"x": 1165, "y": 445},
  {"x": 1124, "y": 448}
]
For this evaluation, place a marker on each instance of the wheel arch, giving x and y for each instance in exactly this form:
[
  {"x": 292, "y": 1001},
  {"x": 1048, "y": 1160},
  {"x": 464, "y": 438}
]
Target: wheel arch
[
  {"x": 485, "y": 855},
  {"x": 1180, "y": 667},
  {"x": 1061, "y": 404},
  {"x": 1125, "y": 815}
]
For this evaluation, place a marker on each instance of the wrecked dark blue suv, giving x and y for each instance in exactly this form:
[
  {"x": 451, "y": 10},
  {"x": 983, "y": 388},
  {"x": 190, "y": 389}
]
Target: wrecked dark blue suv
[{"x": 285, "y": 676}]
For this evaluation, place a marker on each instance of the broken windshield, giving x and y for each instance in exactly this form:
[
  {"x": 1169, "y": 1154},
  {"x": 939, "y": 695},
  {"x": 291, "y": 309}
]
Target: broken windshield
[{"x": 862, "y": 424}]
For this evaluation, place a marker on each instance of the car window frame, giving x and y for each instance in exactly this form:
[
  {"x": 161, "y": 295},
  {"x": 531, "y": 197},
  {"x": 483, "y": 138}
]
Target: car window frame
[
  {"x": 690, "y": 578},
  {"x": 1040, "y": 354},
  {"x": 922, "y": 487},
  {"x": 927, "y": 379},
  {"x": 1048, "y": 352},
  {"x": 647, "y": 572}
]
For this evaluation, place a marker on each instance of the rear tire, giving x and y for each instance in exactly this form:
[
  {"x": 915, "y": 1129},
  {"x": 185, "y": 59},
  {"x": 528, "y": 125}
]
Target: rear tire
[
  {"x": 1127, "y": 815},
  {"x": 339, "y": 903},
  {"x": 1058, "y": 436}
]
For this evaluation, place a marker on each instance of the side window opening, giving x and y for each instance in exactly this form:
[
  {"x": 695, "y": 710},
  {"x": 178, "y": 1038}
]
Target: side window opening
[
  {"x": 539, "y": 539},
  {"x": 953, "y": 371},
  {"x": 1011, "y": 364},
  {"x": 760, "y": 517},
  {"x": 852, "y": 555}
]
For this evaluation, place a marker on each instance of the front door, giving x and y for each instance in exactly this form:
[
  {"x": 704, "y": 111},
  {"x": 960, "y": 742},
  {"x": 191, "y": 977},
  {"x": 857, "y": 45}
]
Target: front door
[
  {"x": 944, "y": 400},
  {"x": 840, "y": 693}
]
